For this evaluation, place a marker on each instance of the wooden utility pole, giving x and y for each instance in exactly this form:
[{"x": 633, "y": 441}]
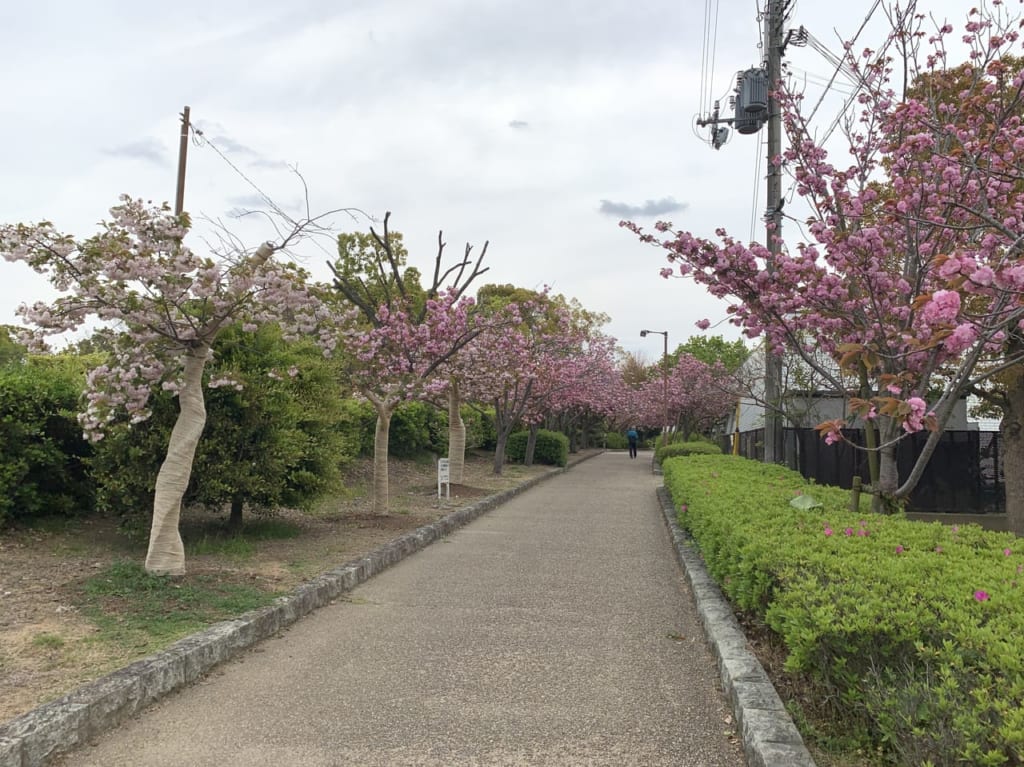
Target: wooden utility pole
[
  {"x": 774, "y": 451},
  {"x": 179, "y": 200}
]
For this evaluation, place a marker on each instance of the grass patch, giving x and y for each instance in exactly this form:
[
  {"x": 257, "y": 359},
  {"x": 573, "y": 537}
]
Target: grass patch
[
  {"x": 222, "y": 542},
  {"x": 135, "y": 609},
  {"x": 48, "y": 641},
  {"x": 270, "y": 530},
  {"x": 52, "y": 524}
]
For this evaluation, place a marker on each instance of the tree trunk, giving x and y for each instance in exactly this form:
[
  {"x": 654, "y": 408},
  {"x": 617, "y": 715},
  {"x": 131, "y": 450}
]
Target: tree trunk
[
  {"x": 531, "y": 444},
  {"x": 499, "y": 450},
  {"x": 502, "y": 432},
  {"x": 888, "y": 477},
  {"x": 456, "y": 434},
  {"x": 166, "y": 555},
  {"x": 235, "y": 519},
  {"x": 380, "y": 457},
  {"x": 870, "y": 432},
  {"x": 1012, "y": 430}
]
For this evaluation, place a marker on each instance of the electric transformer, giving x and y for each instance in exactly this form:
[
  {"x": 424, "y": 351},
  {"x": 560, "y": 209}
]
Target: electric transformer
[{"x": 751, "y": 101}]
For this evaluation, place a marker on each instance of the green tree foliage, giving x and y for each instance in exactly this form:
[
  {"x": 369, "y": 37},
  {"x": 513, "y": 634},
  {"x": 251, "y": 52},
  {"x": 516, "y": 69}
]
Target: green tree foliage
[
  {"x": 368, "y": 276},
  {"x": 10, "y": 350},
  {"x": 712, "y": 349},
  {"x": 270, "y": 442},
  {"x": 42, "y": 451}
]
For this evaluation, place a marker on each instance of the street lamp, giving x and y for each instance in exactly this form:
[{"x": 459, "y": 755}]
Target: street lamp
[{"x": 664, "y": 378}]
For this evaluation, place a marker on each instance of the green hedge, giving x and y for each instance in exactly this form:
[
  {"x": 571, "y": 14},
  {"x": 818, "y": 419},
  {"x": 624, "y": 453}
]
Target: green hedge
[
  {"x": 676, "y": 449},
  {"x": 613, "y": 440},
  {"x": 42, "y": 452},
  {"x": 416, "y": 427},
  {"x": 552, "y": 448},
  {"x": 912, "y": 634}
]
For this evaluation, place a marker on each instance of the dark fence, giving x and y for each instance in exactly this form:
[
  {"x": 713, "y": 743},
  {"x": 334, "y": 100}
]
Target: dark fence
[{"x": 965, "y": 473}]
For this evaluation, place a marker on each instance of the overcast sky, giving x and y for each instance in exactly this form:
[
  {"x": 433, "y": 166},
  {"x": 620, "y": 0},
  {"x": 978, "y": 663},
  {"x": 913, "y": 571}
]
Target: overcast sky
[{"x": 535, "y": 124}]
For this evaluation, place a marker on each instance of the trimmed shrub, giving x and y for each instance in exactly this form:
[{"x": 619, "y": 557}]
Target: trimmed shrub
[
  {"x": 477, "y": 425},
  {"x": 552, "y": 447},
  {"x": 488, "y": 430},
  {"x": 356, "y": 424},
  {"x": 410, "y": 430},
  {"x": 416, "y": 427},
  {"x": 676, "y": 449},
  {"x": 615, "y": 441},
  {"x": 42, "y": 451},
  {"x": 274, "y": 443},
  {"x": 911, "y": 633},
  {"x": 515, "y": 447}
]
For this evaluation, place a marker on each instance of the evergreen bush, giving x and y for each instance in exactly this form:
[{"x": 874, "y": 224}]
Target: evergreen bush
[
  {"x": 910, "y": 633},
  {"x": 552, "y": 447},
  {"x": 43, "y": 454}
]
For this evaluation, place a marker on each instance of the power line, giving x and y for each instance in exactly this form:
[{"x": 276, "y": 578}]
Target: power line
[
  {"x": 709, "y": 52},
  {"x": 202, "y": 140},
  {"x": 757, "y": 188},
  {"x": 839, "y": 62}
]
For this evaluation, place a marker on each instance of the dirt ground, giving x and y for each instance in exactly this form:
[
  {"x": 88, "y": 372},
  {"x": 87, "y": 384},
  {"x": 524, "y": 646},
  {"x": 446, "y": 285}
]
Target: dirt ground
[{"x": 45, "y": 647}]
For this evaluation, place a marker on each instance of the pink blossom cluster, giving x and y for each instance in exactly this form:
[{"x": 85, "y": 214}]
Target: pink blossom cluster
[
  {"x": 161, "y": 300},
  {"x": 912, "y": 269}
]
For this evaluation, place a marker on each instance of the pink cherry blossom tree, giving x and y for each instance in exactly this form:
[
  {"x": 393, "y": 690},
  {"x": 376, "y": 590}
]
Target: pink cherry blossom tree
[
  {"x": 168, "y": 305},
  {"x": 400, "y": 337},
  {"x": 911, "y": 278},
  {"x": 508, "y": 367},
  {"x": 581, "y": 385},
  {"x": 699, "y": 395}
]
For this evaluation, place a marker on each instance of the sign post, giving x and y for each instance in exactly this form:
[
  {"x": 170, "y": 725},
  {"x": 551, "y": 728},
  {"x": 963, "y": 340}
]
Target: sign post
[{"x": 444, "y": 477}]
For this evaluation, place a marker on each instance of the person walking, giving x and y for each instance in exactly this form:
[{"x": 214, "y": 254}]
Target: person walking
[{"x": 632, "y": 436}]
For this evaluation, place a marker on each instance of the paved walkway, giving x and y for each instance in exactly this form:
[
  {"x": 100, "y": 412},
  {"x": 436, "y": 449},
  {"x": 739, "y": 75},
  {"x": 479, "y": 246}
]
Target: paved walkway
[{"x": 555, "y": 630}]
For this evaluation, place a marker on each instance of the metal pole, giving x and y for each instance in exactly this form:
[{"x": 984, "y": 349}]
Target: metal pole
[
  {"x": 664, "y": 387},
  {"x": 664, "y": 378},
  {"x": 179, "y": 200}
]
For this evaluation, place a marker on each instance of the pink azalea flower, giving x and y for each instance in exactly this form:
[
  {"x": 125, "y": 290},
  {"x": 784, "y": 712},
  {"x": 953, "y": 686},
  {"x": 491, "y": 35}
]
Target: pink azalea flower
[
  {"x": 1007, "y": 552},
  {"x": 828, "y": 531},
  {"x": 899, "y": 549},
  {"x": 981, "y": 596},
  {"x": 848, "y": 531}
]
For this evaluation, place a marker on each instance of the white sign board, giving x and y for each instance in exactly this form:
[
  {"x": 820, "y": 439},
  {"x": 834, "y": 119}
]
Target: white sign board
[{"x": 444, "y": 477}]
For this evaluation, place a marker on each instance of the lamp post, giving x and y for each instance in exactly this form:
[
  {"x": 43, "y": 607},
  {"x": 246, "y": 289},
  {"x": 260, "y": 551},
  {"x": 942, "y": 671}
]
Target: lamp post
[{"x": 664, "y": 378}]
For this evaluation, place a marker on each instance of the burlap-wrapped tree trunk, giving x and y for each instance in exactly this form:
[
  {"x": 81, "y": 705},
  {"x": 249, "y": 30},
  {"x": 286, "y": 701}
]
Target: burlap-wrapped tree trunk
[
  {"x": 456, "y": 433},
  {"x": 380, "y": 455},
  {"x": 166, "y": 553}
]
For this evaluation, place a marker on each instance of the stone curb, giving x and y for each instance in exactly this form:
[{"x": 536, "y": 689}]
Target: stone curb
[
  {"x": 36, "y": 737},
  {"x": 770, "y": 739}
]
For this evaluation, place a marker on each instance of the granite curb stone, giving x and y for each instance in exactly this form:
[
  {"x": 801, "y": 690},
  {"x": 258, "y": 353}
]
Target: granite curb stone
[
  {"x": 770, "y": 739},
  {"x": 39, "y": 735}
]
